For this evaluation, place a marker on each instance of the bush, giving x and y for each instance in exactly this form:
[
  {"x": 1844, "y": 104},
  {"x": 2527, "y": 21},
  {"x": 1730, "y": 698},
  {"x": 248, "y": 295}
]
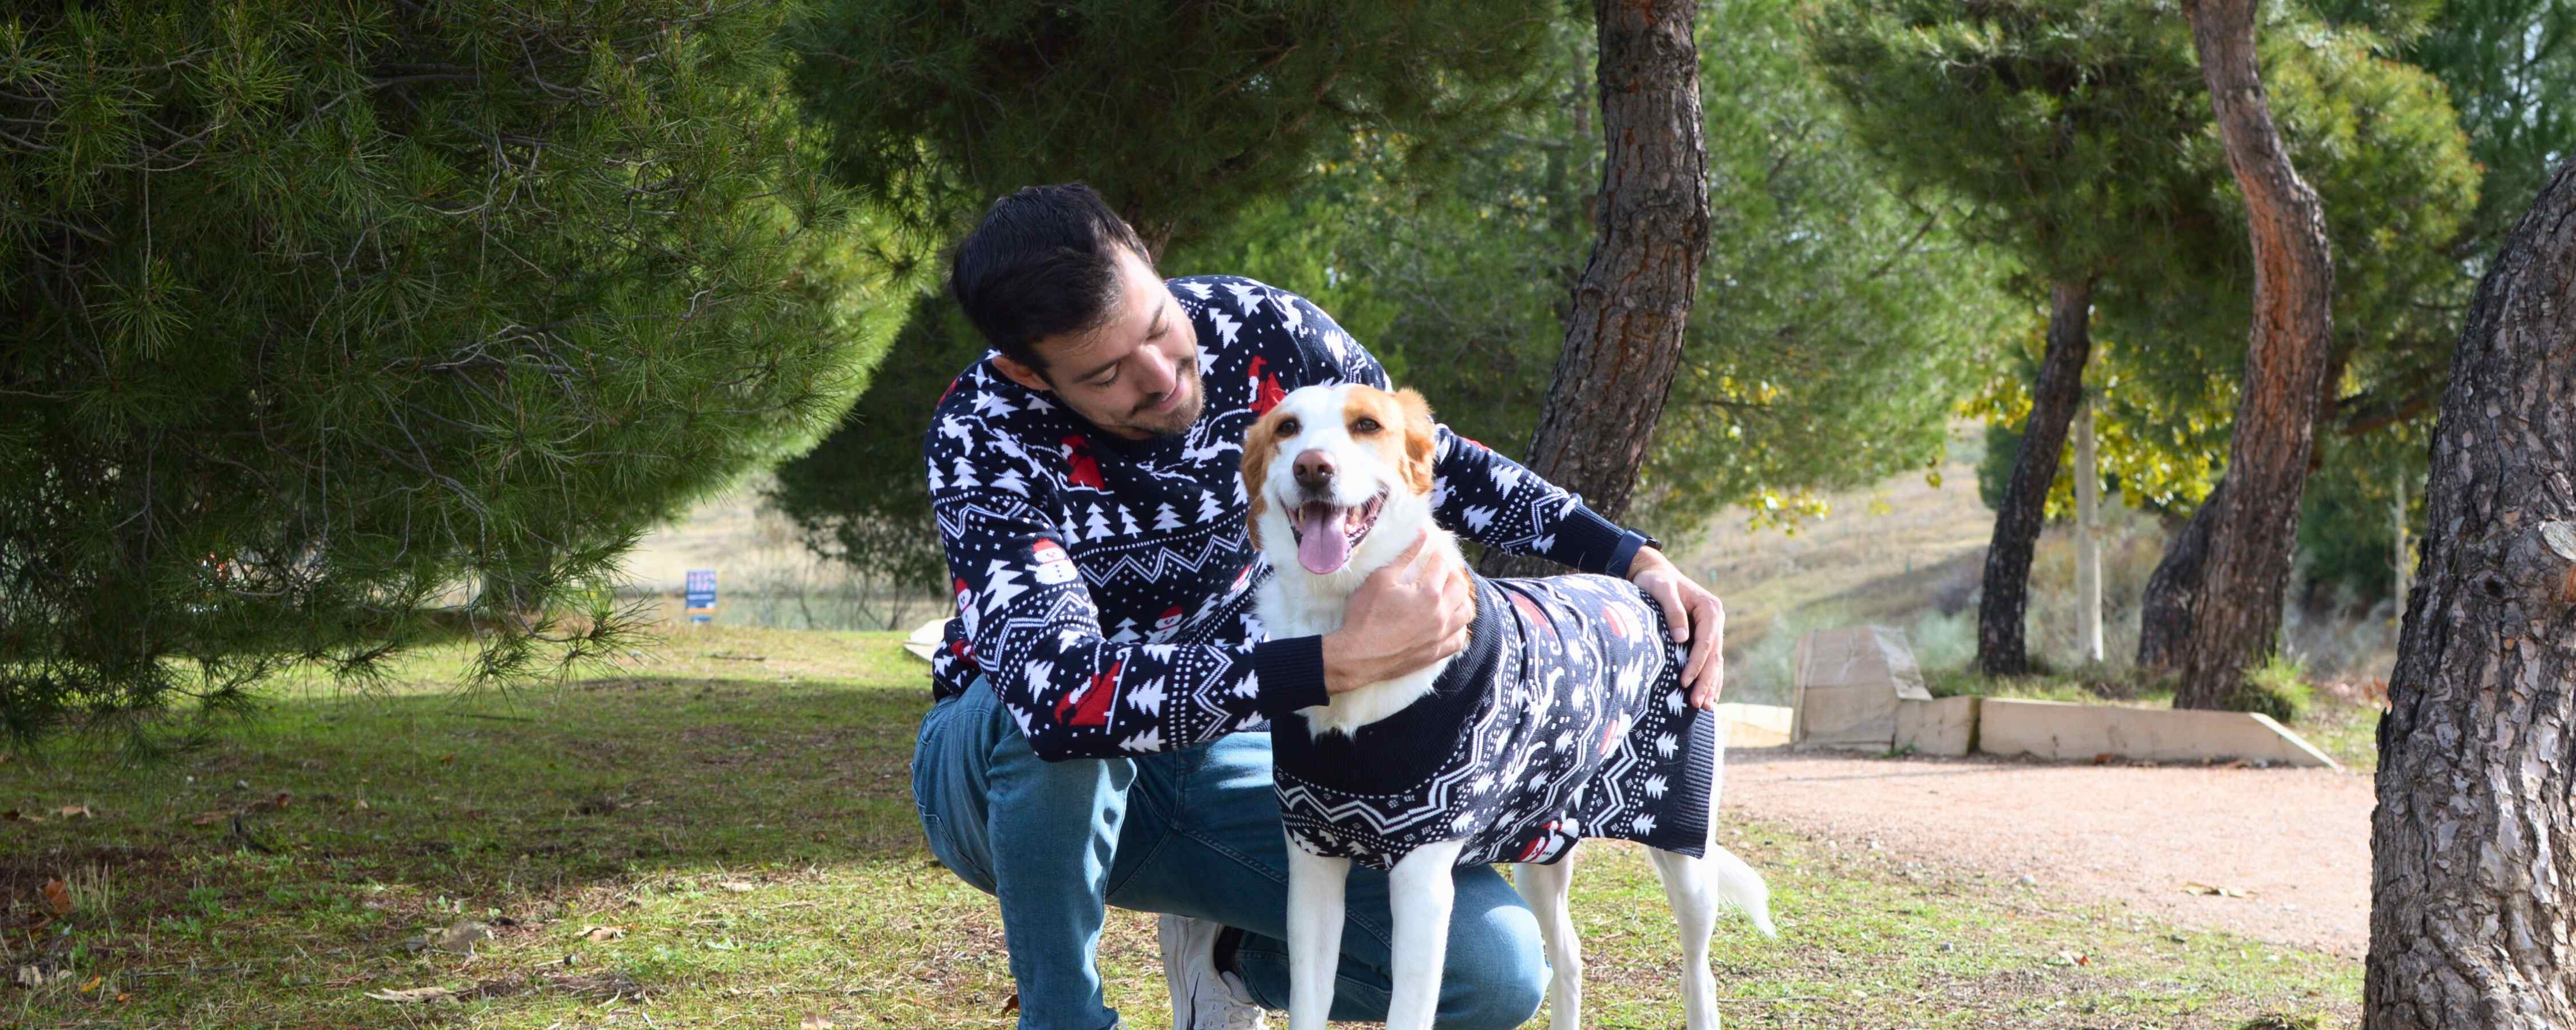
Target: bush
[{"x": 2278, "y": 689}]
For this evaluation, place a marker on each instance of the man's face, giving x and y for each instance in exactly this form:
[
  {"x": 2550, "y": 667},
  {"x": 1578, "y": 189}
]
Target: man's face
[{"x": 1136, "y": 376}]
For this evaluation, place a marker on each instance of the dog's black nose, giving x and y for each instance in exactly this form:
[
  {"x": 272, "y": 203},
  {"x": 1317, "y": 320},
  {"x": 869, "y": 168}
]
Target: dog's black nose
[{"x": 1314, "y": 470}]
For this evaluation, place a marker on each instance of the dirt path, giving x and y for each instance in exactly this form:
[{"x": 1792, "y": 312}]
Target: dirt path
[{"x": 2296, "y": 841}]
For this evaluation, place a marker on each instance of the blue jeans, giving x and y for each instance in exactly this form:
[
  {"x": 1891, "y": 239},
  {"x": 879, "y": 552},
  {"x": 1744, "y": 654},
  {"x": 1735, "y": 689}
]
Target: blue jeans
[{"x": 1193, "y": 832}]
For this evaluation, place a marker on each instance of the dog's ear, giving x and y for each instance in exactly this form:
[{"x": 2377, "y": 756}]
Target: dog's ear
[
  {"x": 1421, "y": 438},
  {"x": 1259, "y": 443}
]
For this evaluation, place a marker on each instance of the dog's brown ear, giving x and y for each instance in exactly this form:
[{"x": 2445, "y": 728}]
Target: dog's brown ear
[
  {"x": 1259, "y": 443},
  {"x": 1421, "y": 438}
]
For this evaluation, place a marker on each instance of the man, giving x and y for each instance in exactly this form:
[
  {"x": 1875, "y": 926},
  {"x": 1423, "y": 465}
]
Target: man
[{"x": 1085, "y": 748}]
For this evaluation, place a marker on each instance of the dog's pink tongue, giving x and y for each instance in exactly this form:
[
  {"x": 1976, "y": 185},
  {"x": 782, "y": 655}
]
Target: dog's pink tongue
[{"x": 1323, "y": 548}]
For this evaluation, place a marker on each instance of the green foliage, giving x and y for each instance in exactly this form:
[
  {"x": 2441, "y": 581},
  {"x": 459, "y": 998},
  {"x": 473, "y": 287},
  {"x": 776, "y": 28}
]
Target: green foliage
[
  {"x": 2062, "y": 122},
  {"x": 321, "y": 315},
  {"x": 860, "y": 496},
  {"x": 1180, "y": 116},
  {"x": 1830, "y": 330},
  {"x": 2037, "y": 97},
  {"x": 2279, "y": 688}
]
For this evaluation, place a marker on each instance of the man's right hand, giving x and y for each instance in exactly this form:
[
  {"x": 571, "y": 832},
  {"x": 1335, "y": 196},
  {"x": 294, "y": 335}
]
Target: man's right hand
[{"x": 1403, "y": 617}]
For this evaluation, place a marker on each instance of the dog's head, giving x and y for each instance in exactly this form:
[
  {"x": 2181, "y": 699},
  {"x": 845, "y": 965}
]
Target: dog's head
[{"x": 1340, "y": 477}]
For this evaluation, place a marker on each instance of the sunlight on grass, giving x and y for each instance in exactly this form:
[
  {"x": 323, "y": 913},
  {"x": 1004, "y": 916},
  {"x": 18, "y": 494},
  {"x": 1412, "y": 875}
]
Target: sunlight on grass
[{"x": 720, "y": 832}]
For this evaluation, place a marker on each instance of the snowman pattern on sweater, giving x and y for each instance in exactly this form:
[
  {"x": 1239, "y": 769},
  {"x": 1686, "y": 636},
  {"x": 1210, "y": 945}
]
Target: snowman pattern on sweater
[
  {"x": 1564, "y": 719},
  {"x": 1105, "y": 586}
]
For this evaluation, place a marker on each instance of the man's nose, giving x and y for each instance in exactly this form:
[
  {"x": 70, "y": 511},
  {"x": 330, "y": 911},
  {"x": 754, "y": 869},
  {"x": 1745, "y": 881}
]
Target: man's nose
[
  {"x": 1158, "y": 377},
  {"x": 1314, "y": 470}
]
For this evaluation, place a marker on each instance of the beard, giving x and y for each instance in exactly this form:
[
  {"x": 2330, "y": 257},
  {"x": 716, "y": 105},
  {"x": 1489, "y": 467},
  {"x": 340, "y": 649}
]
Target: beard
[{"x": 1178, "y": 420}]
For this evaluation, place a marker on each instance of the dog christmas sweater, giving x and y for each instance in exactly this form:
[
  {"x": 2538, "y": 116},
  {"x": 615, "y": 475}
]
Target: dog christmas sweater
[
  {"x": 1565, "y": 718},
  {"x": 1105, "y": 586}
]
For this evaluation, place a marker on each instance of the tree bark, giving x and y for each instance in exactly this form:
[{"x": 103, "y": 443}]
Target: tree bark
[
  {"x": 2002, "y": 649},
  {"x": 2473, "y": 844},
  {"x": 1623, "y": 339},
  {"x": 2164, "y": 616},
  {"x": 2236, "y": 610}
]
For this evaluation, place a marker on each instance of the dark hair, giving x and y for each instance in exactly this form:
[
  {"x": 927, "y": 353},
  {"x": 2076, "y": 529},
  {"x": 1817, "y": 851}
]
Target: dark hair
[{"x": 1043, "y": 262}]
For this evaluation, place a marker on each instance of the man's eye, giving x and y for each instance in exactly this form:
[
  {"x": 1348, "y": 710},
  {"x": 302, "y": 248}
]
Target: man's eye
[
  {"x": 1288, "y": 427},
  {"x": 1364, "y": 426}
]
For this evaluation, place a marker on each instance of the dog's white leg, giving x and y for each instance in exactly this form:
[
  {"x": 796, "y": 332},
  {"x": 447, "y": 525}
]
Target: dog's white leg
[
  {"x": 1421, "y": 891},
  {"x": 1546, "y": 888},
  {"x": 1688, "y": 888},
  {"x": 1315, "y": 889}
]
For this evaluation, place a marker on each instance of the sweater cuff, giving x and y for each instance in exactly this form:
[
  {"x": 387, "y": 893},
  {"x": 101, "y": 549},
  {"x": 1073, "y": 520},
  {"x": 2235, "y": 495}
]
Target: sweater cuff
[
  {"x": 1630, "y": 542},
  {"x": 1590, "y": 543},
  {"x": 1291, "y": 673}
]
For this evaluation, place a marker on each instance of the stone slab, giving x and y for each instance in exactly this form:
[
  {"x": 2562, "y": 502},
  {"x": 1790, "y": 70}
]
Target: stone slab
[
  {"x": 1848, "y": 684},
  {"x": 2064, "y": 731},
  {"x": 1943, "y": 726},
  {"x": 1755, "y": 725}
]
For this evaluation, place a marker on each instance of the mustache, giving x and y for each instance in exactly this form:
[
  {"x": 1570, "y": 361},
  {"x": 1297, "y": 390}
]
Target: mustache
[{"x": 1188, "y": 378}]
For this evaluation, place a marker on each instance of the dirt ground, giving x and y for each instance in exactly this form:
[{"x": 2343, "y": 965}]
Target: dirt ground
[{"x": 2294, "y": 842}]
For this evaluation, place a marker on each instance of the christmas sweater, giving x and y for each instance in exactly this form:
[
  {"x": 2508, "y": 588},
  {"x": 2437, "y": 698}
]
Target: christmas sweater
[
  {"x": 1104, "y": 586},
  {"x": 1565, "y": 718}
]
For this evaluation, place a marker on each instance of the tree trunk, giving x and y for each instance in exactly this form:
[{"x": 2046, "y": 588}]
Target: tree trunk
[
  {"x": 2236, "y": 614},
  {"x": 2001, "y": 648},
  {"x": 2088, "y": 536},
  {"x": 2473, "y": 845},
  {"x": 2164, "y": 616},
  {"x": 1623, "y": 341}
]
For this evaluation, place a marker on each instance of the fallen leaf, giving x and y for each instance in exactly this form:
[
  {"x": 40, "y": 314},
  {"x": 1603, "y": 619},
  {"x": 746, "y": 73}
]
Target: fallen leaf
[
  {"x": 270, "y": 804},
  {"x": 208, "y": 818},
  {"x": 16, "y": 816},
  {"x": 414, "y": 994},
  {"x": 1012, "y": 1005},
  {"x": 814, "y": 1023},
  {"x": 75, "y": 812},
  {"x": 92, "y": 985},
  {"x": 739, "y": 886},
  {"x": 30, "y": 977},
  {"x": 59, "y": 895},
  {"x": 603, "y": 933},
  {"x": 2104, "y": 758},
  {"x": 2215, "y": 891}
]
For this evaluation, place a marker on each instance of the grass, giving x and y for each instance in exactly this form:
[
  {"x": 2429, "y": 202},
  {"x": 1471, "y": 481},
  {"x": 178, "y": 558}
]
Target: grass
[{"x": 733, "y": 809}]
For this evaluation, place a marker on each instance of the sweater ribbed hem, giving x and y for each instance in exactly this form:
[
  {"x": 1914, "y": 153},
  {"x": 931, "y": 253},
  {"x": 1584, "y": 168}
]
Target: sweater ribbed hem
[{"x": 1291, "y": 673}]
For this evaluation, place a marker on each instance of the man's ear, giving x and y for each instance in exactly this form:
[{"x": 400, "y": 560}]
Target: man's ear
[
  {"x": 1421, "y": 438},
  {"x": 1021, "y": 374}
]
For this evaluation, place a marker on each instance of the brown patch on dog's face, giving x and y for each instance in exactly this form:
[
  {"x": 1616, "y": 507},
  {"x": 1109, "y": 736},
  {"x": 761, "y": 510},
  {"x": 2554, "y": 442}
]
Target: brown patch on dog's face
[
  {"x": 1399, "y": 426},
  {"x": 1260, "y": 444}
]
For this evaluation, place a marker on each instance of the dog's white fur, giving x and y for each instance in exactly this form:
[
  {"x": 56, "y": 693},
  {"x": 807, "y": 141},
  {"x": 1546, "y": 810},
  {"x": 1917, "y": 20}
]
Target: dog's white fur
[{"x": 1394, "y": 460}]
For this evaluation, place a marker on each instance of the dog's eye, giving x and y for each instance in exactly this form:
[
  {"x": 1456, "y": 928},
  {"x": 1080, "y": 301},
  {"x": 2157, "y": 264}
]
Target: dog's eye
[
  {"x": 1365, "y": 426},
  {"x": 1288, "y": 427}
]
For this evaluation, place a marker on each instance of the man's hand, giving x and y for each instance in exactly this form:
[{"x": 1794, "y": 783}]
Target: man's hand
[
  {"x": 1694, "y": 614},
  {"x": 1403, "y": 617}
]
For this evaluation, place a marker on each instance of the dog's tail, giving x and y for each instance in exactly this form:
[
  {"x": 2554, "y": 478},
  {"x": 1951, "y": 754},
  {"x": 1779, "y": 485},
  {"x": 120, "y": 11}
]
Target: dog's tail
[{"x": 1740, "y": 886}]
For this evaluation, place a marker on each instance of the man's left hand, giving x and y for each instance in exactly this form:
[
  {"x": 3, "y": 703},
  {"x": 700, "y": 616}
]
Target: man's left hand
[{"x": 1694, "y": 614}]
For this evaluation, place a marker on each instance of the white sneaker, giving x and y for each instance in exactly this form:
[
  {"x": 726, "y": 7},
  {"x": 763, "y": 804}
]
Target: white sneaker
[{"x": 1202, "y": 998}]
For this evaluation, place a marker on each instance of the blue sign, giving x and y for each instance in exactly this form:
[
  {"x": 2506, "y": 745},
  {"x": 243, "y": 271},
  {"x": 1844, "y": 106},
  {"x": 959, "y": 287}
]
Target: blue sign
[{"x": 702, "y": 595}]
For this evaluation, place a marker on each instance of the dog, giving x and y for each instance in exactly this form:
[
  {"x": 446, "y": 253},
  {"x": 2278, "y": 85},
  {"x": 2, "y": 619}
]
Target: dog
[{"x": 1563, "y": 719}]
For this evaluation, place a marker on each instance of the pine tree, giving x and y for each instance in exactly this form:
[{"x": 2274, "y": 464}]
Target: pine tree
[
  {"x": 1127, "y": 522},
  {"x": 1099, "y": 525},
  {"x": 321, "y": 314},
  {"x": 941, "y": 106},
  {"x": 1165, "y": 519}
]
